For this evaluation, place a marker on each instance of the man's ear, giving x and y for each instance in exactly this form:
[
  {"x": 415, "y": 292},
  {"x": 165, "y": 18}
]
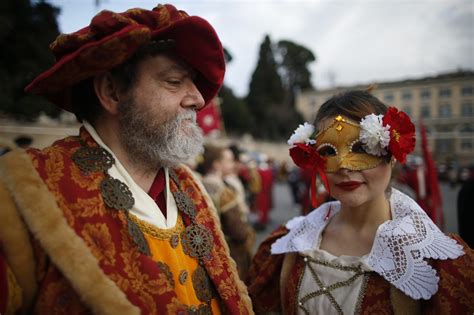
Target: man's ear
[{"x": 107, "y": 92}]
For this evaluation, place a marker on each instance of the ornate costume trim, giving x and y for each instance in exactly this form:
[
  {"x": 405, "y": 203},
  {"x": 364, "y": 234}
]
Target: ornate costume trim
[
  {"x": 66, "y": 249},
  {"x": 241, "y": 287},
  {"x": 327, "y": 289},
  {"x": 197, "y": 239},
  {"x": 400, "y": 247},
  {"x": 161, "y": 234},
  {"x": 143, "y": 206}
]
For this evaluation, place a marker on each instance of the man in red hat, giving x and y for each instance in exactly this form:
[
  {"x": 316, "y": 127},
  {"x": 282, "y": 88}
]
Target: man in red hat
[{"x": 110, "y": 221}]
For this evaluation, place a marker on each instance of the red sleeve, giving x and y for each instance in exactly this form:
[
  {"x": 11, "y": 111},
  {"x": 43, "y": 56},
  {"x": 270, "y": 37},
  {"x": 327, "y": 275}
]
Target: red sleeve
[
  {"x": 263, "y": 280},
  {"x": 456, "y": 285}
]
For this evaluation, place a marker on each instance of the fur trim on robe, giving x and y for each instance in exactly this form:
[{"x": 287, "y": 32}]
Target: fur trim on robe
[{"x": 67, "y": 250}]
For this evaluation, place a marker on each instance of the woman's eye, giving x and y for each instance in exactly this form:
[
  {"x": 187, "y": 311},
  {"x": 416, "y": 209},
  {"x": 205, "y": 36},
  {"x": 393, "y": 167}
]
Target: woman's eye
[
  {"x": 327, "y": 151},
  {"x": 358, "y": 147}
]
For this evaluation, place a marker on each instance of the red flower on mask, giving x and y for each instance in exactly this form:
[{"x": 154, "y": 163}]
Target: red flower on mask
[
  {"x": 306, "y": 157},
  {"x": 402, "y": 133}
]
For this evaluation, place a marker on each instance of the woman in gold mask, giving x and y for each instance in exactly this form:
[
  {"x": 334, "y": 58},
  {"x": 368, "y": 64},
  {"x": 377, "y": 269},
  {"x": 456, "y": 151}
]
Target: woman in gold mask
[{"x": 371, "y": 251}]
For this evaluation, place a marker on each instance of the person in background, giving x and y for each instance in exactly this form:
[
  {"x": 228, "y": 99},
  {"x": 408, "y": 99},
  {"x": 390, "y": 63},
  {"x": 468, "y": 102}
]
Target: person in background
[
  {"x": 217, "y": 164},
  {"x": 373, "y": 250},
  {"x": 465, "y": 204},
  {"x": 23, "y": 142},
  {"x": 264, "y": 198},
  {"x": 294, "y": 181},
  {"x": 233, "y": 180},
  {"x": 111, "y": 221}
]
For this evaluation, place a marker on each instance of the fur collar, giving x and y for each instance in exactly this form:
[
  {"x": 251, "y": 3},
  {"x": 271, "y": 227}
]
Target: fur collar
[{"x": 67, "y": 250}]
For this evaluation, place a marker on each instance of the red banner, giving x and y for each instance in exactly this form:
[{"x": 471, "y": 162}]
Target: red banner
[{"x": 209, "y": 119}]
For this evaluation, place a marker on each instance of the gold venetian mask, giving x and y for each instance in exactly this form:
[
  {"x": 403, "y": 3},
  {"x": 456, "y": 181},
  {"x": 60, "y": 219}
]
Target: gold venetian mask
[{"x": 339, "y": 143}]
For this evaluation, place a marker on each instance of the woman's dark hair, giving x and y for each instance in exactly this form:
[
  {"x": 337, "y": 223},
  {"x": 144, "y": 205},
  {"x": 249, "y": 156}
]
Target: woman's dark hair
[
  {"x": 352, "y": 104},
  {"x": 86, "y": 105}
]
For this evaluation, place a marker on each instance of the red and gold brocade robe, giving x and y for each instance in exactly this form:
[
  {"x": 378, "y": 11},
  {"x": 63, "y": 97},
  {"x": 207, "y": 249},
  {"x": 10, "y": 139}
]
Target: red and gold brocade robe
[
  {"x": 455, "y": 293},
  {"x": 63, "y": 251}
]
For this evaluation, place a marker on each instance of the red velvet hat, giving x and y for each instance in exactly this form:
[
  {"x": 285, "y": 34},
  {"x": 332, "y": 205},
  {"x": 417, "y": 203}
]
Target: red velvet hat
[{"x": 112, "y": 38}]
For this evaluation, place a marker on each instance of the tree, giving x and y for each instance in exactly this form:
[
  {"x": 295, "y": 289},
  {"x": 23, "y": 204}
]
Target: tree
[
  {"x": 26, "y": 30},
  {"x": 294, "y": 62},
  {"x": 266, "y": 93},
  {"x": 235, "y": 113},
  {"x": 280, "y": 72}
]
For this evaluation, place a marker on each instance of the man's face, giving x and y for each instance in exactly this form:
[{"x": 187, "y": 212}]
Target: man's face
[{"x": 158, "y": 117}]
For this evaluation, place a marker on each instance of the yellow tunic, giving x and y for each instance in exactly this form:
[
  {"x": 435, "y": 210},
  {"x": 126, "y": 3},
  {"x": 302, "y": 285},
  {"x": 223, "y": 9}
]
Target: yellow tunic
[{"x": 162, "y": 251}]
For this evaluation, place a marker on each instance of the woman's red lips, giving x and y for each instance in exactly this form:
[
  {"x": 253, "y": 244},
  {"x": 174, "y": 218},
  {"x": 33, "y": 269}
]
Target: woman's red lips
[{"x": 349, "y": 185}]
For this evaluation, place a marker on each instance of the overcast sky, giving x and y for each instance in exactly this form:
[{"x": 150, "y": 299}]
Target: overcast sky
[{"x": 355, "y": 41}]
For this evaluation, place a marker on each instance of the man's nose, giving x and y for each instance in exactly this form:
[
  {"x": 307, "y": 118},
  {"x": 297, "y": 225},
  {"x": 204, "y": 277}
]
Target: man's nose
[{"x": 193, "y": 97}]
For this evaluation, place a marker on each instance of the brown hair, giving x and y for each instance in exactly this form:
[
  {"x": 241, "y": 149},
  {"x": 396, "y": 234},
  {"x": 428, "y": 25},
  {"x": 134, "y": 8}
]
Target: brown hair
[
  {"x": 211, "y": 154},
  {"x": 352, "y": 104}
]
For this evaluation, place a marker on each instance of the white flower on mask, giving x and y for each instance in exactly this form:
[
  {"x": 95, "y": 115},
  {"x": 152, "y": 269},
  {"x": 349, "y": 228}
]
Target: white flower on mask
[
  {"x": 374, "y": 135},
  {"x": 302, "y": 134}
]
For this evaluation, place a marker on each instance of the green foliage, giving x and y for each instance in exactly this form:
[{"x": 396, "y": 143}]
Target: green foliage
[
  {"x": 280, "y": 72},
  {"x": 26, "y": 30},
  {"x": 265, "y": 93},
  {"x": 235, "y": 113},
  {"x": 295, "y": 60}
]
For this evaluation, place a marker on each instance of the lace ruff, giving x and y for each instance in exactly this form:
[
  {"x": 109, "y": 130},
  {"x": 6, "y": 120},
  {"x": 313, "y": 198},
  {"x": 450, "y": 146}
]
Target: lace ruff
[{"x": 400, "y": 247}]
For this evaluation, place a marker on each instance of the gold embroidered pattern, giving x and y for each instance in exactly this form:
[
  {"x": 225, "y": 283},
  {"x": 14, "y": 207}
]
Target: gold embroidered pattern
[
  {"x": 155, "y": 232},
  {"x": 361, "y": 295},
  {"x": 326, "y": 290},
  {"x": 100, "y": 241},
  {"x": 338, "y": 120},
  {"x": 129, "y": 273}
]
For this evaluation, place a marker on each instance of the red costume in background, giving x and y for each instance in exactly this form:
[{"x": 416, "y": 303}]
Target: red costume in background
[{"x": 264, "y": 197}]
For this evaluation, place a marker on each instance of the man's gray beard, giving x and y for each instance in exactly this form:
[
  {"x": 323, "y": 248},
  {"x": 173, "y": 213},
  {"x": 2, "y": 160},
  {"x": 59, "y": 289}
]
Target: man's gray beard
[{"x": 151, "y": 145}]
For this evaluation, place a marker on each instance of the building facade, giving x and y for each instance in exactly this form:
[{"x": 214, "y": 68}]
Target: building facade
[{"x": 445, "y": 104}]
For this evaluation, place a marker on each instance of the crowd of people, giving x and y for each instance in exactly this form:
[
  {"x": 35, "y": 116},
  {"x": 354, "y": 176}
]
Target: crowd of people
[{"x": 113, "y": 221}]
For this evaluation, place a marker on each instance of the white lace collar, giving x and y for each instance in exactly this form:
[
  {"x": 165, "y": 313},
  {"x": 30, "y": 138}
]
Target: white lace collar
[
  {"x": 400, "y": 247},
  {"x": 145, "y": 208}
]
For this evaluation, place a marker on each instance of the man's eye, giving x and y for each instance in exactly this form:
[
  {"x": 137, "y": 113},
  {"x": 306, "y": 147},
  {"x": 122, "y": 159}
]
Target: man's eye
[
  {"x": 174, "y": 82},
  {"x": 358, "y": 147},
  {"x": 327, "y": 149}
]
